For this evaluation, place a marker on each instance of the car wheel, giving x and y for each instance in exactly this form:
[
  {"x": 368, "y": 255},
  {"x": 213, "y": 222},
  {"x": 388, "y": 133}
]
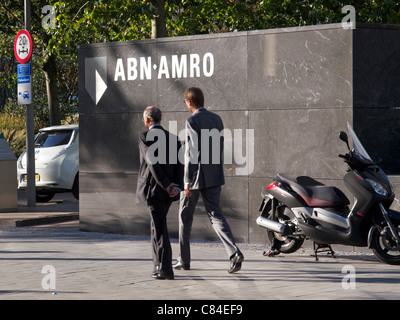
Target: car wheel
[
  {"x": 75, "y": 187},
  {"x": 44, "y": 196}
]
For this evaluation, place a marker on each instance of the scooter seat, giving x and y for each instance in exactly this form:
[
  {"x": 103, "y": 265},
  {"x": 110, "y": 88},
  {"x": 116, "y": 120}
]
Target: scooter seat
[{"x": 315, "y": 193}]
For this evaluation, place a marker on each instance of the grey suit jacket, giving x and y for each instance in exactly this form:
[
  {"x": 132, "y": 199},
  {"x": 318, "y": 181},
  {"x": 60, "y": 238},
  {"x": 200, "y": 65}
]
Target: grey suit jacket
[{"x": 204, "y": 147}]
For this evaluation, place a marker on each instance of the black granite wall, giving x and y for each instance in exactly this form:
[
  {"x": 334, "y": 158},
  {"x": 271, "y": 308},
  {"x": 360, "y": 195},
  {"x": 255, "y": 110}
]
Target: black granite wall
[
  {"x": 376, "y": 106},
  {"x": 293, "y": 88}
]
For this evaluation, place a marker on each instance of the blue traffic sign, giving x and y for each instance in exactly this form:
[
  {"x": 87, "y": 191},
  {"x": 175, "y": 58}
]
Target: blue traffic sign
[
  {"x": 24, "y": 79},
  {"x": 24, "y": 89},
  {"x": 24, "y": 69}
]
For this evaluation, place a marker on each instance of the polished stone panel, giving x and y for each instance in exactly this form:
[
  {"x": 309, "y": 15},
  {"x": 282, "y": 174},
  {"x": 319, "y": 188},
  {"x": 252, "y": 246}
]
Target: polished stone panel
[
  {"x": 379, "y": 132},
  {"x": 376, "y": 67},
  {"x": 223, "y": 58},
  {"x": 108, "y": 205},
  {"x": 299, "y": 141},
  {"x": 110, "y": 142},
  {"x": 146, "y": 73},
  {"x": 107, "y": 202},
  {"x": 291, "y": 90},
  {"x": 129, "y": 87},
  {"x": 377, "y": 93},
  {"x": 300, "y": 69}
]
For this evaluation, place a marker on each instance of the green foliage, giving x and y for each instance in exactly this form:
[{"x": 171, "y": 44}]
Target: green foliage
[
  {"x": 16, "y": 140},
  {"x": 186, "y": 17},
  {"x": 13, "y": 124}
]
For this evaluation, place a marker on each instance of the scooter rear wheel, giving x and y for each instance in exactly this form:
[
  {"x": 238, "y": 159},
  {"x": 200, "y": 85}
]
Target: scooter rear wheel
[{"x": 285, "y": 244}]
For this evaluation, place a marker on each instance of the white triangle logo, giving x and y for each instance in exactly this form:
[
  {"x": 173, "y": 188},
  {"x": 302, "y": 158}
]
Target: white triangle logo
[
  {"x": 96, "y": 77},
  {"x": 101, "y": 87}
]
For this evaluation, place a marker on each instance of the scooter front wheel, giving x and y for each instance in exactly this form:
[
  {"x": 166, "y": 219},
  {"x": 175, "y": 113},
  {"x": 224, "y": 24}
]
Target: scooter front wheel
[{"x": 385, "y": 248}]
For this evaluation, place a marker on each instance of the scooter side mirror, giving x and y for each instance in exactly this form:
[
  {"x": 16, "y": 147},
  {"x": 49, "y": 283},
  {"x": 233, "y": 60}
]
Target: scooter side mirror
[{"x": 344, "y": 138}]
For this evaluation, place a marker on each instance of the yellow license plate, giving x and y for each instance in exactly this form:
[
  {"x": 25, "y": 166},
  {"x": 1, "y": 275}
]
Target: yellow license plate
[{"x": 25, "y": 177}]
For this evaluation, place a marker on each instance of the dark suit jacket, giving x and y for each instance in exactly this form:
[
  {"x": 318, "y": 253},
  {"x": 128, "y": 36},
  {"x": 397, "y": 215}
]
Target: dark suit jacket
[
  {"x": 205, "y": 169},
  {"x": 159, "y": 164}
]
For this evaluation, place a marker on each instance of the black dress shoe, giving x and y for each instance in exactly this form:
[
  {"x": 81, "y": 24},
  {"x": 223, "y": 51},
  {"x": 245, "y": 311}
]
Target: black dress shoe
[
  {"x": 162, "y": 276},
  {"x": 236, "y": 262},
  {"x": 181, "y": 266}
]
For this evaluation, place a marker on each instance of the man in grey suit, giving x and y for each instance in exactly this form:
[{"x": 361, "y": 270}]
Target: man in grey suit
[{"x": 203, "y": 174}]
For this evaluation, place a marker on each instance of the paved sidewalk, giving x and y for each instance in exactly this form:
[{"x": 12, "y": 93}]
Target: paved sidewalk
[{"x": 104, "y": 266}]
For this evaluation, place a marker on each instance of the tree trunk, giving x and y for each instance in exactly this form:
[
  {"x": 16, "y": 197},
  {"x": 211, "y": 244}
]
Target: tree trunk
[
  {"x": 50, "y": 72},
  {"x": 158, "y": 23}
]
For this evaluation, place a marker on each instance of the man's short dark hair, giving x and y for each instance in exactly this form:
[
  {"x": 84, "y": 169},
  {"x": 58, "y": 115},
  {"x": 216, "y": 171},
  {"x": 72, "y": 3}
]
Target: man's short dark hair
[{"x": 196, "y": 96}]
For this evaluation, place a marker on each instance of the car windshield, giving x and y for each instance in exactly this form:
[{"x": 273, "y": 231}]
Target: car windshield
[{"x": 54, "y": 138}]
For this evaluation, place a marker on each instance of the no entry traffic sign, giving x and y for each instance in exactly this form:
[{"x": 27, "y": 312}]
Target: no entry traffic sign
[{"x": 23, "y": 46}]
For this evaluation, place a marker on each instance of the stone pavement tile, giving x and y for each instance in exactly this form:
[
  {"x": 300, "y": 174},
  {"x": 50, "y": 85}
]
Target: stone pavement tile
[{"x": 106, "y": 267}]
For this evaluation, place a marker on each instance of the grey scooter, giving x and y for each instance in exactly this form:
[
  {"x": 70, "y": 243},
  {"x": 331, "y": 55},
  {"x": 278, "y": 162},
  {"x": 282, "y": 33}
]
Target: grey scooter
[{"x": 295, "y": 208}]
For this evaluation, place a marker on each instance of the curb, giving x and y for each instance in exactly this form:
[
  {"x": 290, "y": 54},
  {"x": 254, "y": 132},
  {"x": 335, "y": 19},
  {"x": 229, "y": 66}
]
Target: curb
[{"x": 35, "y": 221}]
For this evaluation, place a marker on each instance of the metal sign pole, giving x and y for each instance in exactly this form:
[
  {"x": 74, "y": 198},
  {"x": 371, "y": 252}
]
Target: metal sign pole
[{"x": 30, "y": 131}]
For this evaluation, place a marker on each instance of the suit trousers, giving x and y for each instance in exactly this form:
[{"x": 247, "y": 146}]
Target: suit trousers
[
  {"x": 160, "y": 242},
  {"x": 187, "y": 205}
]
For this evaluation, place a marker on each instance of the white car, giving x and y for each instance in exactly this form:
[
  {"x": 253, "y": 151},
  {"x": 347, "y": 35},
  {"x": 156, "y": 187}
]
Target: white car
[{"x": 56, "y": 162}]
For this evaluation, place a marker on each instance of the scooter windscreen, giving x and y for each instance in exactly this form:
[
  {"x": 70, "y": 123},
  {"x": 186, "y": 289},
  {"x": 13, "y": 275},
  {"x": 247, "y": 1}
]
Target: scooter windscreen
[
  {"x": 360, "y": 150},
  {"x": 358, "y": 147}
]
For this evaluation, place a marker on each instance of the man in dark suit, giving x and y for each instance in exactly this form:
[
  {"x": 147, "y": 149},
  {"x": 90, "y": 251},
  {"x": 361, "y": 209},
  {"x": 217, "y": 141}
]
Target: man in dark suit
[
  {"x": 159, "y": 174},
  {"x": 203, "y": 174}
]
